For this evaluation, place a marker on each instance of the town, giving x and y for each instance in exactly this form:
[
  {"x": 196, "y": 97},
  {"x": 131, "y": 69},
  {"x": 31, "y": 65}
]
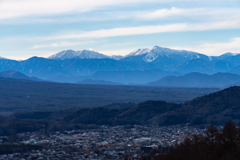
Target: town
[{"x": 104, "y": 142}]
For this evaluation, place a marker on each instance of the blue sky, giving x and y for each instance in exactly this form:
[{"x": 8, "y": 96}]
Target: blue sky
[{"x": 42, "y": 28}]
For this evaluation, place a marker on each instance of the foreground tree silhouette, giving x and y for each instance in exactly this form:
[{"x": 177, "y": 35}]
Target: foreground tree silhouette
[
  {"x": 229, "y": 140},
  {"x": 214, "y": 145}
]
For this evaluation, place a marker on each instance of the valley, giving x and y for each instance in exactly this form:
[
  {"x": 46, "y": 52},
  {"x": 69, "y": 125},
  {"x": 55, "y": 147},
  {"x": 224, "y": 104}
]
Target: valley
[{"x": 20, "y": 94}]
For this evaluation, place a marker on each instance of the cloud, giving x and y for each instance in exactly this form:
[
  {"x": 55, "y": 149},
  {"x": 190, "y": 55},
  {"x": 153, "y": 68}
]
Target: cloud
[
  {"x": 21, "y": 8},
  {"x": 216, "y": 48},
  {"x": 60, "y": 44},
  {"x": 220, "y": 48},
  {"x": 141, "y": 30},
  {"x": 173, "y": 13},
  {"x": 193, "y": 13},
  {"x": 126, "y": 31},
  {"x": 36, "y": 8},
  {"x": 23, "y": 55},
  {"x": 163, "y": 13}
]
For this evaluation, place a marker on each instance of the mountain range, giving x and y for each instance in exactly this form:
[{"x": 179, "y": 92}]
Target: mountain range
[
  {"x": 135, "y": 77},
  {"x": 196, "y": 79},
  {"x": 97, "y": 82},
  {"x": 80, "y": 65},
  {"x": 17, "y": 75}
]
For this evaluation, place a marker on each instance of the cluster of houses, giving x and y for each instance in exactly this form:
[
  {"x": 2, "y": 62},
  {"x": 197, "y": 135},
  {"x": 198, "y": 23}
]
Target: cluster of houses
[{"x": 105, "y": 142}]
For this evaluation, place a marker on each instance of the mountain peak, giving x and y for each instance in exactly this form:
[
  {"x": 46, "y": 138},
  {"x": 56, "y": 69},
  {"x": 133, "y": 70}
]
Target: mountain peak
[
  {"x": 229, "y": 54},
  {"x": 16, "y": 75},
  {"x": 66, "y": 54},
  {"x": 221, "y": 57},
  {"x": 171, "y": 51},
  {"x": 84, "y": 54},
  {"x": 159, "y": 48},
  {"x": 138, "y": 52},
  {"x": 160, "y": 52}
]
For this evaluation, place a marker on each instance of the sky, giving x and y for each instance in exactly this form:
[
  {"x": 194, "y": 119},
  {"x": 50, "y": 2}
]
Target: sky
[{"x": 117, "y": 27}]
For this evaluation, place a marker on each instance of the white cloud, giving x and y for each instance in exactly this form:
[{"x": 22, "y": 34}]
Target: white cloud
[
  {"x": 59, "y": 44},
  {"x": 162, "y": 13},
  {"x": 192, "y": 13},
  {"x": 127, "y": 31},
  {"x": 141, "y": 30},
  {"x": 219, "y": 48},
  {"x": 215, "y": 48},
  {"x": 31, "y": 8},
  {"x": 173, "y": 13},
  {"x": 46, "y": 11},
  {"x": 23, "y": 55},
  {"x": 21, "y": 8}
]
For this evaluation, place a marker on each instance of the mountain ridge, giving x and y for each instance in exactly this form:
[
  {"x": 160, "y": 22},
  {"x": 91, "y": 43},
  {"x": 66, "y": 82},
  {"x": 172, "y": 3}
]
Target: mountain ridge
[
  {"x": 98, "y": 82},
  {"x": 150, "y": 54},
  {"x": 17, "y": 75},
  {"x": 90, "y": 62},
  {"x": 196, "y": 79}
]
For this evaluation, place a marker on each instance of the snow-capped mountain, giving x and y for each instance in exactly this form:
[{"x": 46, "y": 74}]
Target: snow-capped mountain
[
  {"x": 116, "y": 57},
  {"x": 156, "y": 52},
  {"x": 138, "y": 52},
  {"x": 162, "y": 54},
  {"x": 223, "y": 56},
  {"x": 85, "y": 63},
  {"x": 84, "y": 54},
  {"x": 148, "y": 55}
]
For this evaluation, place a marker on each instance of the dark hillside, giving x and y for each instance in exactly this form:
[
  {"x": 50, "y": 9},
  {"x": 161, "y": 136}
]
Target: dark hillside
[
  {"x": 138, "y": 114},
  {"x": 97, "y": 116},
  {"x": 142, "y": 112},
  {"x": 217, "y": 107},
  {"x": 120, "y": 105},
  {"x": 214, "y": 108}
]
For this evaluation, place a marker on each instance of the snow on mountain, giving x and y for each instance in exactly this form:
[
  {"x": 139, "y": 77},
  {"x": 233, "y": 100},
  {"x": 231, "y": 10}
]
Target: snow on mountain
[
  {"x": 228, "y": 54},
  {"x": 148, "y": 55},
  {"x": 85, "y": 54},
  {"x": 138, "y": 52},
  {"x": 116, "y": 57},
  {"x": 223, "y": 56},
  {"x": 156, "y": 52},
  {"x": 166, "y": 52}
]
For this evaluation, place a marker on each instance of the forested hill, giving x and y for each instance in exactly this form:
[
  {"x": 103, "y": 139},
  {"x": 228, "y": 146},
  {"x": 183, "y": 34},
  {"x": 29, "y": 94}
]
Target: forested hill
[{"x": 214, "y": 108}]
